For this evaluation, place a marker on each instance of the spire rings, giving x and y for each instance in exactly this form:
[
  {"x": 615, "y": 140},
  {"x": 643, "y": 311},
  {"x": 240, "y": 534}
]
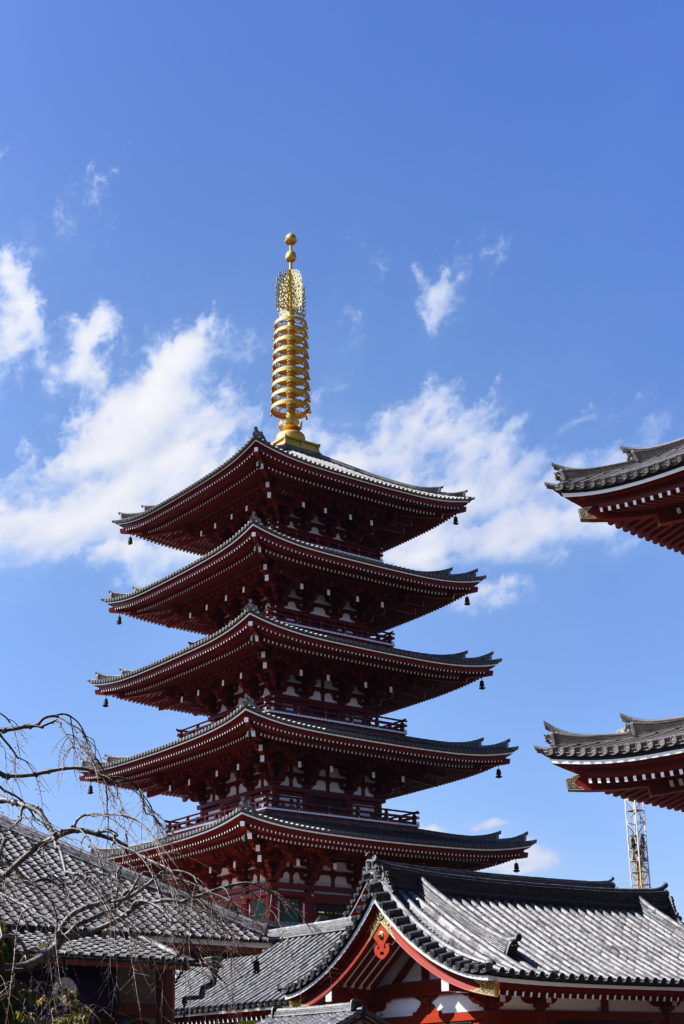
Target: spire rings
[{"x": 290, "y": 391}]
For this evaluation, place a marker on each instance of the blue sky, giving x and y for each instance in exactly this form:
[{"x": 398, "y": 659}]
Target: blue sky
[{"x": 487, "y": 198}]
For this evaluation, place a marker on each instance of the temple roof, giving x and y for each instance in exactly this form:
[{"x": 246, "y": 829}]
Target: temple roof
[
  {"x": 256, "y": 524},
  {"x": 57, "y": 878},
  {"x": 471, "y": 924},
  {"x": 374, "y": 831},
  {"x": 195, "y": 650},
  {"x": 641, "y": 463},
  {"x": 295, "y": 456},
  {"x": 638, "y": 736},
  {"x": 293, "y": 953},
  {"x": 317, "y": 727}
]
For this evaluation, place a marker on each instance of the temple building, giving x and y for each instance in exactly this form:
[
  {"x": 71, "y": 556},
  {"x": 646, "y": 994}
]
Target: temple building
[
  {"x": 296, "y": 673},
  {"x": 423, "y": 945},
  {"x": 643, "y": 496},
  {"x": 643, "y": 761}
]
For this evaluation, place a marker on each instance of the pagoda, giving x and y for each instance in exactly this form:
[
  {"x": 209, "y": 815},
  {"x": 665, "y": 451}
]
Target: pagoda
[{"x": 296, "y": 673}]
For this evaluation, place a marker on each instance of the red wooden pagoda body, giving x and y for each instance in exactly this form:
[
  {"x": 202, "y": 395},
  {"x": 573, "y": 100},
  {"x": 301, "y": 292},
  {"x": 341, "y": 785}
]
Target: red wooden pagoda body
[
  {"x": 296, "y": 671},
  {"x": 643, "y": 496}
]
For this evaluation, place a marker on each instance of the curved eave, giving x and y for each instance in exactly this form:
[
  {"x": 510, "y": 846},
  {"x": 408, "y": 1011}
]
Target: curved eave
[
  {"x": 343, "y": 833},
  {"x": 186, "y": 578},
  {"x": 208, "y": 741},
  {"x": 183, "y": 662},
  {"x": 356, "y": 480}
]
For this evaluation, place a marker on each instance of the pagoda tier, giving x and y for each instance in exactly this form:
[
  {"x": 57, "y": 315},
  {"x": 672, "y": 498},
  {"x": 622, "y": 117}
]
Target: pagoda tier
[
  {"x": 306, "y": 582},
  {"x": 301, "y": 492},
  {"x": 300, "y": 762},
  {"x": 294, "y": 668},
  {"x": 643, "y": 761},
  {"x": 643, "y": 496},
  {"x": 314, "y": 861}
]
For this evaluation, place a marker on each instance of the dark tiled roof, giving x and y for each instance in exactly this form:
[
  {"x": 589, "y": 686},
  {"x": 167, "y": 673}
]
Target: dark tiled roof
[
  {"x": 470, "y": 576},
  {"x": 385, "y": 831},
  {"x": 323, "y": 461},
  {"x": 57, "y": 879},
  {"x": 327, "y": 1013},
  {"x": 250, "y": 609},
  {"x": 533, "y": 928},
  {"x": 640, "y": 464},
  {"x": 637, "y": 736},
  {"x": 472, "y": 923},
  {"x": 355, "y": 828},
  {"x": 331, "y": 728},
  {"x": 295, "y": 951}
]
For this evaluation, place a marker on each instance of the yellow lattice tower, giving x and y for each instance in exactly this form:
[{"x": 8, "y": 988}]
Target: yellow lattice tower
[{"x": 290, "y": 390}]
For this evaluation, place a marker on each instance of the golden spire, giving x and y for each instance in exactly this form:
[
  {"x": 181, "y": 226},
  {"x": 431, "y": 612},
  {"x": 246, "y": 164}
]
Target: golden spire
[{"x": 290, "y": 392}]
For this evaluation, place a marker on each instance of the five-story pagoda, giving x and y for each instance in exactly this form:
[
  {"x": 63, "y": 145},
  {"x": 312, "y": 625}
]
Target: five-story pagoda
[{"x": 296, "y": 671}]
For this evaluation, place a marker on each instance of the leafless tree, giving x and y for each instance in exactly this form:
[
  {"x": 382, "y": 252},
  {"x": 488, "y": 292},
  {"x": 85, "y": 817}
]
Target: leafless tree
[{"x": 65, "y": 896}]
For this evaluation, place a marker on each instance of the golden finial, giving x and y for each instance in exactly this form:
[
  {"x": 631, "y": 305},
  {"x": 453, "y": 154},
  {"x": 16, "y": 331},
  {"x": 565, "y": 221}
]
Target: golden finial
[{"x": 290, "y": 392}]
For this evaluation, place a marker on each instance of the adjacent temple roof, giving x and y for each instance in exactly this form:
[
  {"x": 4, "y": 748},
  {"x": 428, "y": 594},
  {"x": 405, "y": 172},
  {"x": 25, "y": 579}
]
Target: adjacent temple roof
[
  {"x": 107, "y": 911},
  {"x": 641, "y": 463},
  {"x": 637, "y": 736},
  {"x": 472, "y": 925},
  {"x": 643, "y": 496},
  {"x": 643, "y": 761}
]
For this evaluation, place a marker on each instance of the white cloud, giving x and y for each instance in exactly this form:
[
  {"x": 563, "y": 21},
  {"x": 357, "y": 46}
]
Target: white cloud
[
  {"x": 163, "y": 426},
  {"x": 438, "y": 299},
  {"x": 498, "y": 252},
  {"x": 438, "y": 437},
  {"x": 22, "y": 328},
  {"x": 433, "y": 828},
  {"x": 488, "y": 825},
  {"x": 355, "y": 318},
  {"x": 654, "y": 428},
  {"x": 586, "y": 415},
  {"x": 539, "y": 859},
  {"x": 96, "y": 184},
  {"x": 84, "y": 365}
]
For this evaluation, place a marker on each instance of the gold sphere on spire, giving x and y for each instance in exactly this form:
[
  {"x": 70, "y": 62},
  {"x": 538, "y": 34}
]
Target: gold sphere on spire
[
  {"x": 290, "y": 239},
  {"x": 290, "y": 255}
]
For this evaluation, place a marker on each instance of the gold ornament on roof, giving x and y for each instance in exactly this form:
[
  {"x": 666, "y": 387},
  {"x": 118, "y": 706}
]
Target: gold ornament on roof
[{"x": 290, "y": 387}]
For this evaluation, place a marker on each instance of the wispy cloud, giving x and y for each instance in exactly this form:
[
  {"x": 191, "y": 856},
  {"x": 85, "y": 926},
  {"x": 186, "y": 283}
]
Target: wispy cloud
[
  {"x": 22, "y": 328},
  {"x": 586, "y": 415},
  {"x": 96, "y": 184},
  {"x": 381, "y": 264},
  {"x": 63, "y": 219},
  {"x": 355, "y": 319},
  {"x": 438, "y": 298},
  {"x": 505, "y": 589},
  {"x": 498, "y": 252},
  {"x": 654, "y": 428},
  {"x": 488, "y": 825}
]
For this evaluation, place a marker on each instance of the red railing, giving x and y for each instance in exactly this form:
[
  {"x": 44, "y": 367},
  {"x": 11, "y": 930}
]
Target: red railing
[
  {"x": 329, "y": 625},
  {"x": 309, "y": 804},
  {"x": 329, "y": 542},
  {"x": 322, "y": 711},
  {"x": 307, "y": 710}
]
